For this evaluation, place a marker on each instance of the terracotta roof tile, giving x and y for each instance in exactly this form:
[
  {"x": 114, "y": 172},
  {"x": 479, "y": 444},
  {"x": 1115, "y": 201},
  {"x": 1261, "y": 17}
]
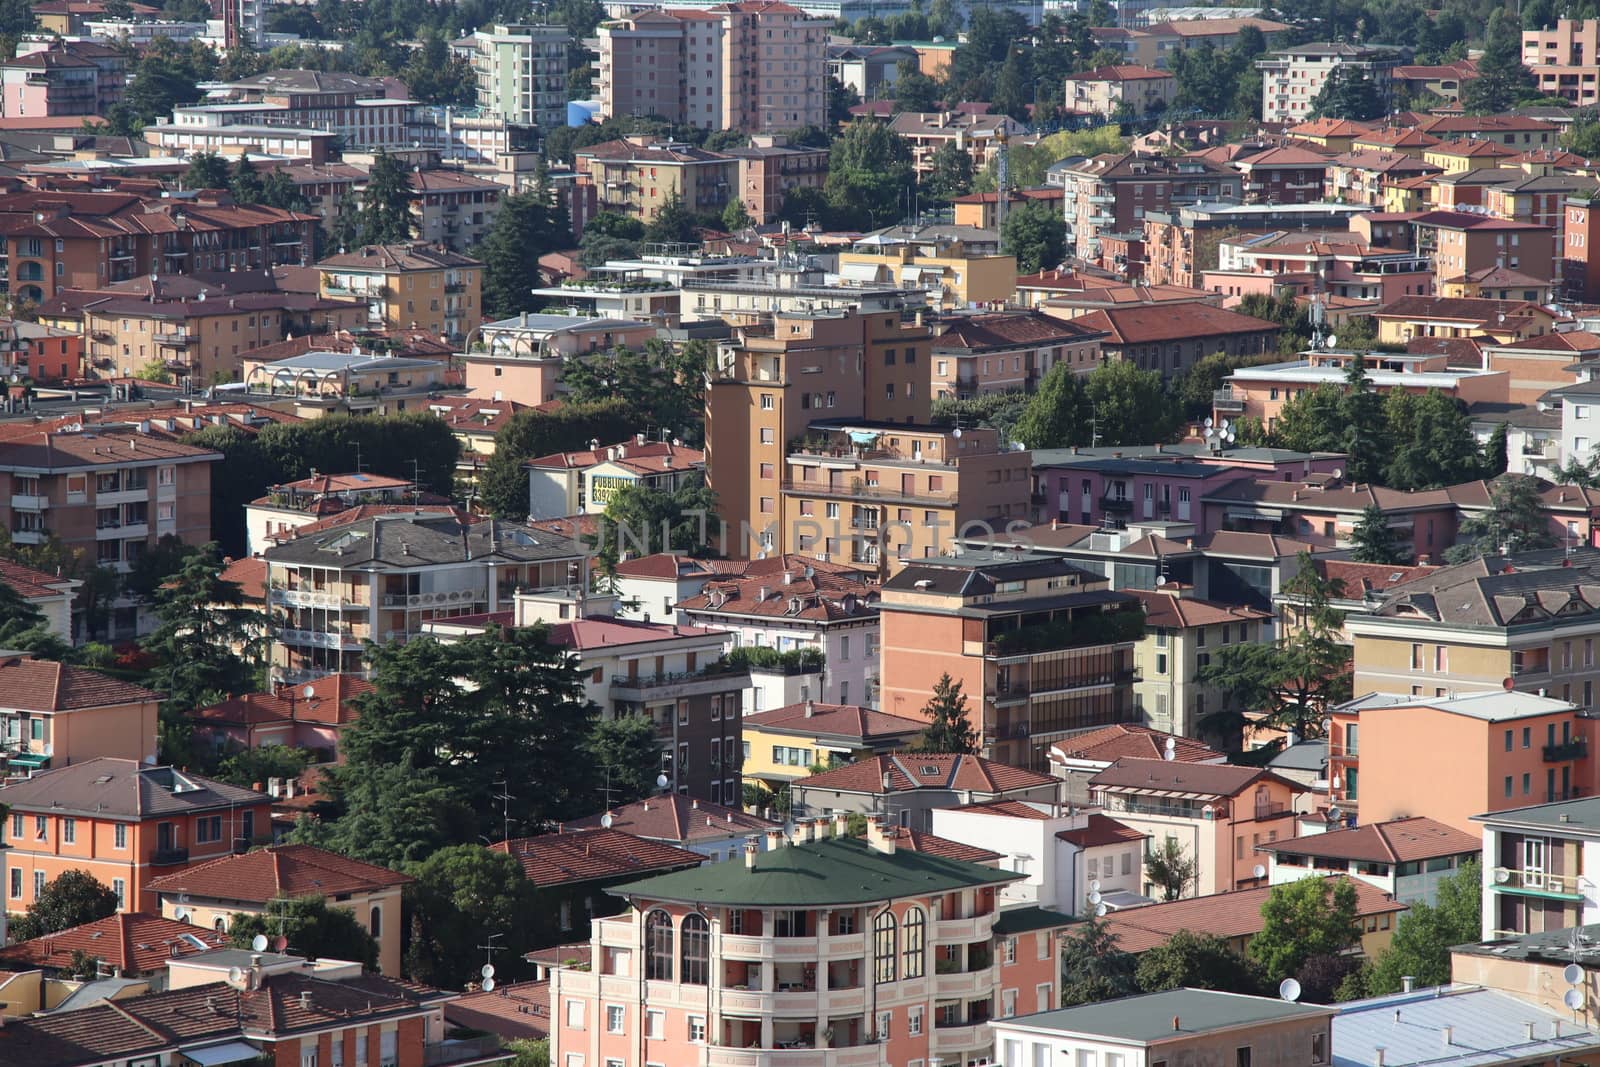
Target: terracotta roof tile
[
  {"x": 920, "y": 770},
  {"x": 138, "y": 944},
  {"x": 943, "y": 847},
  {"x": 592, "y": 855},
  {"x": 824, "y": 596},
  {"x": 1198, "y": 779},
  {"x": 515, "y": 1011},
  {"x": 278, "y": 871},
  {"x": 1225, "y": 915},
  {"x": 1123, "y": 741},
  {"x": 43, "y": 685},
  {"x": 862, "y": 725},
  {"x": 1397, "y": 841},
  {"x": 677, "y": 818},
  {"x": 1146, "y": 325},
  {"x": 1101, "y": 830}
]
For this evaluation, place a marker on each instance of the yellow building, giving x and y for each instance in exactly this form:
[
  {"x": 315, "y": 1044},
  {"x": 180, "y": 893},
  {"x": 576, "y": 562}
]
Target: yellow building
[
  {"x": 954, "y": 277},
  {"x": 1457, "y": 156},
  {"x": 409, "y": 287},
  {"x": 1409, "y": 194},
  {"x": 637, "y": 176},
  {"x": 783, "y": 744}
]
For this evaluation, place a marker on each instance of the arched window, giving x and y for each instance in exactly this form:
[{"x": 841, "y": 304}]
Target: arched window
[
  {"x": 658, "y": 946},
  {"x": 915, "y": 949},
  {"x": 696, "y": 950},
  {"x": 883, "y": 932},
  {"x": 376, "y": 925}
]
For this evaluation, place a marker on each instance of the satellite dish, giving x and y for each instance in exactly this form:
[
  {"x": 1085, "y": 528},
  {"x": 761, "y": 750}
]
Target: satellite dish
[
  {"x": 309, "y": 691},
  {"x": 1289, "y": 990},
  {"x": 1094, "y": 885},
  {"x": 1502, "y": 876},
  {"x": 1161, "y": 580},
  {"x": 1099, "y": 910},
  {"x": 258, "y": 943},
  {"x": 1573, "y": 974},
  {"x": 1333, "y": 340},
  {"x": 1210, "y": 422},
  {"x": 488, "y": 985},
  {"x": 956, "y": 433},
  {"x": 280, "y": 943},
  {"x": 1096, "y": 899},
  {"x": 1171, "y": 747},
  {"x": 235, "y": 975},
  {"x": 606, "y": 820},
  {"x": 1260, "y": 871},
  {"x": 1338, "y": 472},
  {"x": 1573, "y": 999},
  {"x": 1508, "y": 684},
  {"x": 1226, "y": 424},
  {"x": 487, "y": 970},
  {"x": 661, "y": 781}
]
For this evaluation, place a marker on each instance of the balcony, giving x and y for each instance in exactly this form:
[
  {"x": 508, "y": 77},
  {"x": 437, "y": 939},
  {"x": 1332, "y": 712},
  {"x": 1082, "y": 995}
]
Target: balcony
[
  {"x": 465, "y": 1051},
  {"x": 445, "y": 598},
  {"x": 168, "y": 857},
  {"x": 1003, "y": 695},
  {"x": 861, "y": 1056},
  {"x": 961, "y": 1037},
  {"x": 670, "y": 685},
  {"x": 29, "y": 502},
  {"x": 1577, "y": 748},
  {"x": 970, "y": 929},
  {"x": 1091, "y": 628},
  {"x": 1227, "y": 400},
  {"x": 1539, "y": 883},
  {"x": 859, "y": 490},
  {"x": 316, "y": 598},
  {"x": 1113, "y": 502},
  {"x": 176, "y": 338}
]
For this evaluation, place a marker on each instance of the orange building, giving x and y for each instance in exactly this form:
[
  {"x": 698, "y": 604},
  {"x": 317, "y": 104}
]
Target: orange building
[
  {"x": 52, "y": 713},
  {"x": 1580, "y": 267},
  {"x": 124, "y": 823},
  {"x": 1504, "y": 750}
]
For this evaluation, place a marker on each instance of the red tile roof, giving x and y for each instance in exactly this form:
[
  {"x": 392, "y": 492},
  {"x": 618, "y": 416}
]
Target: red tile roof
[
  {"x": 138, "y": 944},
  {"x": 42, "y": 685},
  {"x": 1146, "y": 325},
  {"x": 823, "y": 595},
  {"x": 1011, "y": 809},
  {"x": 1122, "y": 72},
  {"x": 852, "y": 721},
  {"x": 592, "y": 855},
  {"x": 279, "y": 871},
  {"x": 677, "y": 818},
  {"x": 607, "y": 632},
  {"x": 943, "y": 847},
  {"x": 520, "y": 1010},
  {"x": 1190, "y": 779},
  {"x": 1101, "y": 830},
  {"x": 1125, "y": 741},
  {"x": 329, "y": 703},
  {"x": 1225, "y": 915},
  {"x": 28, "y": 583},
  {"x": 250, "y": 575},
  {"x": 1165, "y": 609},
  {"x": 1362, "y": 578},
  {"x": 920, "y": 770},
  {"x": 1397, "y": 841}
]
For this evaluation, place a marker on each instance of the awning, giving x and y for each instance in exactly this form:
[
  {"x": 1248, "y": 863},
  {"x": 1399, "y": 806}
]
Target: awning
[
  {"x": 863, "y": 437},
  {"x": 232, "y": 1052},
  {"x": 859, "y": 272},
  {"x": 917, "y": 274},
  {"x": 31, "y": 760}
]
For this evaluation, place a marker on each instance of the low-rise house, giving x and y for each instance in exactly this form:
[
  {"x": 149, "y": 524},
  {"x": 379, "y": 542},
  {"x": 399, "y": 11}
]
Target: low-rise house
[
  {"x": 126, "y": 945},
  {"x": 1217, "y": 814},
  {"x": 1178, "y": 1026},
  {"x": 781, "y": 745},
  {"x": 1405, "y": 858},
  {"x": 656, "y": 584},
  {"x": 319, "y": 383},
  {"x": 310, "y": 716},
  {"x": 1122, "y": 88},
  {"x": 954, "y": 274},
  {"x": 912, "y": 785},
  {"x": 51, "y": 595},
  {"x": 1077, "y": 759},
  {"x": 55, "y": 715},
  {"x": 210, "y": 894},
  {"x": 575, "y": 869},
  {"x": 716, "y": 831},
  {"x": 1006, "y": 352},
  {"x": 1169, "y": 341},
  {"x": 125, "y": 823},
  {"x": 573, "y": 483},
  {"x": 979, "y": 135},
  {"x": 407, "y": 286}
]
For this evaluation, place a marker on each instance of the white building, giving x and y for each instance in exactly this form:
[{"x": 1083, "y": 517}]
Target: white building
[
  {"x": 1406, "y": 858},
  {"x": 1292, "y": 78},
  {"x": 583, "y": 482},
  {"x": 651, "y": 587},
  {"x": 521, "y": 71},
  {"x": 1534, "y": 867}
]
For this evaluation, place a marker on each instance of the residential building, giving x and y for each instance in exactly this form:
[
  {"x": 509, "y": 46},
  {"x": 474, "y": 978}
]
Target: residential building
[
  {"x": 292, "y": 505},
  {"x": 716, "y": 831},
  {"x": 574, "y": 483},
  {"x": 1047, "y": 644},
  {"x": 1171, "y": 659},
  {"x": 1539, "y": 368},
  {"x": 1284, "y": 175},
  {"x": 46, "y": 354},
  {"x": 1406, "y": 857},
  {"x": 1468, "y": 154},
  {"x": 211, "y": 131},
  {"x": 655, "y": 584},
  {"x": 983, "y": 210},
  {"x": 1180, "y": 1026},
  {"x": 454, "y": 209},
  {"x": 666, "y": 63},
  {"x": 1156, "y": 339},
  {"x": 1565, "y": 60},
  {"x": 49, "y": 83},
  {"x": 871, "y": 70},
  {"x": 979, "y": 135},
  {"x": 1446, "y": 81},
  {"x": 906, "y": 789},
  {"x": 955, "y": 276},
  {"x": 1502, "y": 1021},
  {"x": 1335, "y": 135},
  {"x": 1112, "y": 193},
  {"x": 1216, "y": 813},
  {"x": 123, "y": 821},
  {"x": 357, "y": 110},
  {"x": 878, "y": 495},
  {"x": 1490, "y": 321},
  {"x": 210, "y": 894},
  {"x": 51, "y": 713},
  {"x": 774, "y": 67},
  {"x": 782, "y": 745},
  {"x": 521, "y": 71},
  {"x": 575, "y": 871},
  {"x": 1121, "y": 89},
  {"x": 1006, "y": 352},
  {"x": 1334, "y": 265},
  {"x": 796, "y": 286},
  {"x": 311, "y": 716},
  {"x": 522, "y": 356},
  {"x": 319, "y": 383},
  {"x": 1533, "y": 864},
  {"x": 861, "y": 981},
  {"x": 127, "y": 945},
  {"x": 1462, "y": 243},
  {"x": 1182, "y": 243},
  {"x": 409, "y": 286},
  {"x": 1176, "y": 34},
  {"x": 1324, "y": 512},
  {"x": 1292, "y": 78},
  {"x": 333, "y": 588},
  {"x": 771, "y": 169},
  {"x": 1367, "y": 178},
  {"x": 1507, "y": 749},
  {"x": 637, "y": 175},
  {"x": 1077, "y": 759},
  {"x": 1580, "y": 267},
  {"x": 824, "y": 608},
  {"x": 51, "y": 595}
]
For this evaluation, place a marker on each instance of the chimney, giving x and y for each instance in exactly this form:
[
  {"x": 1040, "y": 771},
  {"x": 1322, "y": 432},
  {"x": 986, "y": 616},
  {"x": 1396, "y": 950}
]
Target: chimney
[
  {"x": 1377, "y": 1056},
  {"x": 880, "y": 836},
  {"x": 819, "y": 828},
  {"x": 750, "y": 851},
  {"x": 801, "y": 832},
  {"x": 1527, "y": 1031},
  {"x": 1177, "y": 1025},
  {"x": 305, "y": 999},
  {"x": 811, "y": 708},
  {"x": 1447, "y": 1032},
  {"x": 1407, "y": 982},
  {"x": 841, "y": 824},
  {"x": 774, "y": 838}
]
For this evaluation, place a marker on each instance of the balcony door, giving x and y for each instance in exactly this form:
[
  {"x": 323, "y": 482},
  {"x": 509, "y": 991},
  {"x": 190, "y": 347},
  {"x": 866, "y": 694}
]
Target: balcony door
[{"x": 1533, "y": 860}]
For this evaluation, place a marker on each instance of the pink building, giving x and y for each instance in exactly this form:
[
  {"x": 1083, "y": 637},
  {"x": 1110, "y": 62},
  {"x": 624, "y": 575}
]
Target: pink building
[
  {"x": 44, "y": 84},
  {"x": 858, "y": 952},
  {"x": 1337, "y": 264}
]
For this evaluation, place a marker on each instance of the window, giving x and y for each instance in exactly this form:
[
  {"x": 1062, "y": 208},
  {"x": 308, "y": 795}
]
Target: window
[
  {"x": 1008, "y": 950},
  {"x": 695, "y": 948},
  {"x": 38, "y": 884},
  {"x": 658, "y": 945},
  {"x": 655, "y": 1024},
  {"x": 16, "y": 882},
  {"x": 1241, "y": 1056},
  {"x": 69, "y": 831},
  {"x": 914, "y": 1020},
  {"x": 40, "y": 827},
  {"x": 885, "y": 1019},
  {"x": 575, "y": 1014},
  {"x": 914, "y": 950},
  {"x": 16, "y": 827},
  {"x": 615, "y": 1014},
  {"x": 119, "y": 886},
  {"x": 697, "y": 1029},
  {"x": 1319, "y": 1048},
  {"x": 884, "y": 940},
  {"x": 766, "y": 402},
  {"x": 375, "y": 921},
  {"x": 207, "y": 830},
  {"x": 1008, "y": 1003}
]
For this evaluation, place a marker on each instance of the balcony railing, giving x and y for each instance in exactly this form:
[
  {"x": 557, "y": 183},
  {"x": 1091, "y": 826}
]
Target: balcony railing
[
  {"x": 1227, "y": 400},
  {"x": 1577, "y": 748},
  {"x": 464, "y": 1051},
  {"x": 1112, "y": 502},
  {"x": 1526, "y": 881},
  {"x": 1092, "y": 628},
  {"x": 167, "y": 857}
]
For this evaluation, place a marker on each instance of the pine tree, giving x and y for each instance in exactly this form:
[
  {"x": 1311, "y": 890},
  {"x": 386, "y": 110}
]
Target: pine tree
[
  {"x": 207, "y": 170},
  {"x": 1365, "y": 434},
  {"x": 1373, "y": 541},
  {"x": 386, "y": 207},
  {"x": 949, "y": 728},
  {"x": 1501, "y": 76},
  {"x": 1347, "y": 94}
]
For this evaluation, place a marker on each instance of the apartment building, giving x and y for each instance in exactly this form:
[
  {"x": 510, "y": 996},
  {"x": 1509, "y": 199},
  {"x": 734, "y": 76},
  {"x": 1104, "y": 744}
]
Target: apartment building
[
  {"x": 355, "y": 109},
  {"x": 585, "y": 482},
  {"x": 877, "y": 495},
  {"x": 909, "y": 968},
  {"x": 1287, "y": 174},
  {"x": 522, "y": 357},
  {"x": 715, "y": 831},
  {"x": 774, "y": 67},
  {"x": 1181, "y": 243},
  {"x": 770, "y": 169},
  {"x": 212, "y": 893},
  {"x": 47, "y": 354},
  {"x": 110, "y": 494},
  {"x": 409, "y": 286},
  {"x": 452, "y": 208},
  {"x": 666, "y": 63},
  {"x": 1338, "y": 265},
  {"x": 1217, "y": 813},
  {"x": 292, "y": 505},
  {"x": 383, "y": 577},
  {"x": 123, "y": 821},
  {"x": 1506, "y": 749},
  {"x": 521, "y": 70},
  {"x": 1407, "y": 858},
  {"x": 771, "y": 382},
  {"x": 1180, "y": 630},
  {"x": 1160, "y": 339},
  {"x": 1112, "y": 193},
  {"x": 979, "y": 136},
  {"x": 1006, "y": 352},
  {"x": 637, "y": 175},
  {"x": 1048, "y": 645},
  {"x": 954, "y": 275},
  {"x": 1118, "y": 89},
  {"x": 1565, "y": 61},
  {"x": 49, "y": 84},
  {"x": 1462, "y": 243},
  {"x": 782, "y": 744},
  {"x": 1534, "y": 864},
  {"x": 1292, "y": 78},
  {"x": 51, "y": 713},
  {"x": 910, "y": 787}
]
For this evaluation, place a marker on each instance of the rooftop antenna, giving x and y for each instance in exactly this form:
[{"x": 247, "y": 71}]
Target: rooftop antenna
[
  {"x": 488, "y": 954},
  {"x": 505, "y": 799},
  {"x": 359, "y": 468},
  {"x": 416, "y": 482}
]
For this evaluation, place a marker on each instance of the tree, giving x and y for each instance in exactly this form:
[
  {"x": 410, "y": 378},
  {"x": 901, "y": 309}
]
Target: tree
[
  {"x": 461, "y": 896},
  {"x": 1131, "y": 406},
  {"x": 386, "y": 205},
  {"x": 313, "y": 928},
  {"x": 914, "y": 90},
  {"x": 248, "y": 766},
  {"x": 1502, "y": 79},
  {"x": 1496, "y": 457},
  {"x": 1373, "y": 541},
  {"x": 642, "y": 519},
  {"x": 1093, "y": 968},
  {"x": 246, "y": 185},
  {"x": 1189, "y": 960},
  {"x": 1312, "y": 421},
  {"x": 1515, "y": 521},
  {"x": 674, "y": 223},
  {"x": 869, "y": 169},
  {"x": 1433, "y": 444},
  {"x": 1304, "y": 918},
  {"x": 525, "y": 228},
  {"x": 1582, "y": 138},
  {"x": 1036, "y": 234},
  {"x": 153, "y": 568},
  {"x": 1323, "y": 976},
  {"x": 1426, "y": 933},
  {"x": 435, "y": 76},
  {"x": 949, "y": 173},
  {"x": 735, "y": 216},
  {"x": 529, "y": 434},
  {"x": 626, "y": 752},
  {"x": 24, "y": 627},
  {"x": 1347, "y": 94},
  {"x": 1059, "y": 414},
  {"x": 73, "y": 898},
  {"x": 1170, "y": 870},
  {"x": 949, "y": 724},
  {"x": 207, "y": 170},
  {"x": 160, "y": 83},
  {"x": 1365, "y": 429},
  {"x": 530, "y": 1052}
]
